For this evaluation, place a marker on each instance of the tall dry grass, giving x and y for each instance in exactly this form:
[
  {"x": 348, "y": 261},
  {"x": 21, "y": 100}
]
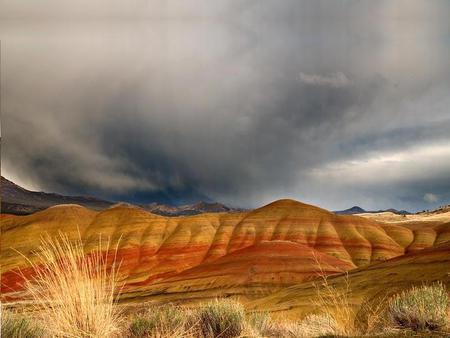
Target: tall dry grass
[
  {"x": 74, "y": 294},
  {"x": 337, "y": 314},
  {"x": 336, "y": 310}
]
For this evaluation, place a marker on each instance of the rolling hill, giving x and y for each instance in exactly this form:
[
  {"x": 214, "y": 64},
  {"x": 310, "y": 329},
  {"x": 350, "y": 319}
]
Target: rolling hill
[{"x": 247, "y": 254}]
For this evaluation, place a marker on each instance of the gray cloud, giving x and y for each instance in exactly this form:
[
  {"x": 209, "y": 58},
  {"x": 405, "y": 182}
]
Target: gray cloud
[
  {"x": 336, "y": 80},
  {"x": 241, "y": 101}
]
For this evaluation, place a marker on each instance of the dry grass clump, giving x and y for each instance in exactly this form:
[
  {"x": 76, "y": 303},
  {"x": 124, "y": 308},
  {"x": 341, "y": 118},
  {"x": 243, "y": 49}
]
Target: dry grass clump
[
  {"x": 313, "y": 325},
  {"x": 221, "y": 318},
  {"x": 163, "y": 321},
  {"x": 284, "y": 329},
  {"x": 318, "y": 326},
  {"x": 372, "y": 316},
  {"x": 423, "y": 308},
  {"x": 74, "y": 293},
  {"x": 338, "y": 316},
  {"x": 15, "y": 325},
  {"x": 336, "y": 310},
  {"x": 258, "y": 324}
]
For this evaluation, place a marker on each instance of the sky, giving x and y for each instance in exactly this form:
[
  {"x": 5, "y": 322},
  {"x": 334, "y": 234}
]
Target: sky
[{"x": 333, "y": 103}]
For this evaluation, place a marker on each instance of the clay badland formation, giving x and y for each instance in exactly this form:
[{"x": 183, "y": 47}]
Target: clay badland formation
[{"x": 265, "y": 257}]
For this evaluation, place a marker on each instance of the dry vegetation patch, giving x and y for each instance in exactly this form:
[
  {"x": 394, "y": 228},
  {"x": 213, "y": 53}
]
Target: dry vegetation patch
[
  {"x": 221, "y": 318},
  {"x": 16, "y": 325},
  {"x": 423, "y": 308},
  {"x": 162, "y": 321}
]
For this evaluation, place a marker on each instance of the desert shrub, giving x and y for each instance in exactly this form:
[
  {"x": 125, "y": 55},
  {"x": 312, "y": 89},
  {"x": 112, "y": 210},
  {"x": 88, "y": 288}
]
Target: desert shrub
[
  {"x": 140, "y": 327},
  {"x": 15, "y": 325},
  {"x": 421, "y": 308},
  {"x": 74, "y": 292},
  {"x": 221, "y": 318},
  {"x": 162, "y": 321}
]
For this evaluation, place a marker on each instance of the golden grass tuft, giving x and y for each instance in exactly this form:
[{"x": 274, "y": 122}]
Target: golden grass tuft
[
  {"x": 74, "y": 293},
  {"x": 338, "y": 316},
  {"x": 337, "y": 313},
  {"x": 318, "y": 325}
]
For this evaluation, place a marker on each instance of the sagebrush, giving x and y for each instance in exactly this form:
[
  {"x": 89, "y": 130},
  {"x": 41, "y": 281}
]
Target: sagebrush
[
  {"x": 163, "y": 321},
  {"x": 421, "y": 308},
  {"x": 221, "y": 318}
]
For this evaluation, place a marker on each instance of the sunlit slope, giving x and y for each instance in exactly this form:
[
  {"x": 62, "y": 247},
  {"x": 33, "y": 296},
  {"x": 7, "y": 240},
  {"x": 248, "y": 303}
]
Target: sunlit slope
[
  {"x": 366, "y": 284},
  {"x": 277, "y": 242},
  {"x": 23, "y": 233}
]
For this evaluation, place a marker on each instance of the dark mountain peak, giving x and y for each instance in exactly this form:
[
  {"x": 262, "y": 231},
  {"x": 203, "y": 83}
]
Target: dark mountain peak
[{"x": 353, "y": 210}]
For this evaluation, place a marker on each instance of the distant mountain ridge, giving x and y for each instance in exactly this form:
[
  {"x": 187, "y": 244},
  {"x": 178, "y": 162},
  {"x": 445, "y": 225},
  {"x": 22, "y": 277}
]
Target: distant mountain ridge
[
  {"x": 358, "y": 210},
  {"x": 188, "y": 209},
  {"x": 20, "y": 201}
]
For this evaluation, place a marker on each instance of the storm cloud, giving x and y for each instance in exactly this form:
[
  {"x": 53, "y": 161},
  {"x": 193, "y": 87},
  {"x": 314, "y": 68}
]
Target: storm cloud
[{"x": 333, "y": 103}]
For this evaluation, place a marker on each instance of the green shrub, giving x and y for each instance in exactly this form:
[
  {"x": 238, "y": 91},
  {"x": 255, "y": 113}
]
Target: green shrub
[
  {"x": 167, "y": 321},
  {"x": 19, "y": 326},
  {"x": 421, "y": 308},
  {"x": 221, "y": 318}
]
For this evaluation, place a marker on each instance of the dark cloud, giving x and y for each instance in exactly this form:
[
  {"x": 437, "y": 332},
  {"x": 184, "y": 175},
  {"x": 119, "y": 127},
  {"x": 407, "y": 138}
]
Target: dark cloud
[{"x": 238, "y": 101}]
